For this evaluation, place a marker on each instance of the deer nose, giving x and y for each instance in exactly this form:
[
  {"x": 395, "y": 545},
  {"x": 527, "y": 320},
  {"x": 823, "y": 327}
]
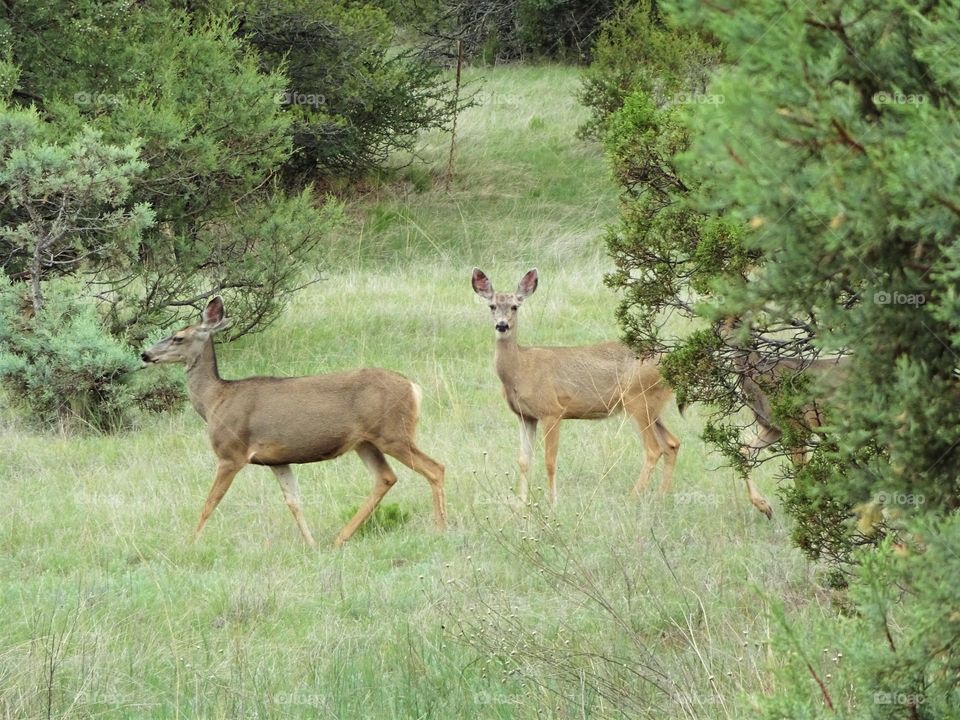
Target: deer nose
[
  {"x": 502, "y": 326},
  {"x": 145, "y": 356}
]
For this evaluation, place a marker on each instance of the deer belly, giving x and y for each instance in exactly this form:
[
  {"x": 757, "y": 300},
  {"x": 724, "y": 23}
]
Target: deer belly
[{"x": 283, "y": 454}]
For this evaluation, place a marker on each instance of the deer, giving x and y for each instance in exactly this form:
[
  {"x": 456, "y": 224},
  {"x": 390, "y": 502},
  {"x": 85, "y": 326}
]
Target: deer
[
  {"x": 546, "y": 385},
  {"x": 755, "y": 370},
  {"x": 284, "y": 421}
]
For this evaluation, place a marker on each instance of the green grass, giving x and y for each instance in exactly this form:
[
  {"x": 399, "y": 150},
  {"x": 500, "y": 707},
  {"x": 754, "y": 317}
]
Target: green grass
[{"x": 107, "y": 611}]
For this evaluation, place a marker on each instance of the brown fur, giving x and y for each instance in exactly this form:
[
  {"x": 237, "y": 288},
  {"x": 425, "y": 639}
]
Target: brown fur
[
  {"x": 755, "y": 369},
  {"x": 549, "y": 384},
  {"x": 283, "y": 421}
]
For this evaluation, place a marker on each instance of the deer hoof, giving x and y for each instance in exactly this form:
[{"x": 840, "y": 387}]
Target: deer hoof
[{"x": 763, "y": 506}]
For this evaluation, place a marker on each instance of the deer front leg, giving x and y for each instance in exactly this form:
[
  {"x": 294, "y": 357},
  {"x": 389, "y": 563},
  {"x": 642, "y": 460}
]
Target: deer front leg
[
  {"x": 764, "y": 436},
  {"x": 291, "y": 493},
  {"x": 758, "y": 500},
  {"x": 551, "y": 441},
  {"x": 226, "y": 471},
  {"x": 528, "y": 436}
]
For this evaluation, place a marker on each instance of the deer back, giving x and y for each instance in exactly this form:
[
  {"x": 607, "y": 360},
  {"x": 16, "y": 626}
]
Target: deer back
[
  {"x": 584, "y": 382},
  {"x": 273, "y": 421}
]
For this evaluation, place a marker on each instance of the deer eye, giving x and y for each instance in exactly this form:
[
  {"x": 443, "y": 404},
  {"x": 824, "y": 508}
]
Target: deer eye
[
  {"x": 493, "y": 307},
  {"x": 176, "y": 339},
  {"x": 514, "y": 307}
]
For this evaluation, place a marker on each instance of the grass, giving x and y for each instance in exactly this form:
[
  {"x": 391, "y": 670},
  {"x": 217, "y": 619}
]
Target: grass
[{"x": 612, "y": 606}]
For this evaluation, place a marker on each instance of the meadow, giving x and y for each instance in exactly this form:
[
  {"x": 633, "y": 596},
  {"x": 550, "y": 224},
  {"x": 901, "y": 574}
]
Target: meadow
[{"x": 612, "y": 606}]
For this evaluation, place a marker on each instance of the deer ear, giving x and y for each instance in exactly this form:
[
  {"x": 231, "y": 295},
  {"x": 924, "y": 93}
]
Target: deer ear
[
  {"x": 482, "y": 285},
  {"x": 213, "y": 313},
  {"x": 528, "y": 284}
]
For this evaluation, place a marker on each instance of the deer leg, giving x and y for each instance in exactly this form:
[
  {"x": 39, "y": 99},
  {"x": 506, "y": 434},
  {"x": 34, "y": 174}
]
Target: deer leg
[
  {"x": 418, "y": 461},
  {"x": 528, "y": 436},
  {"x": 551, "y": 441},
  {"x": 226, "y": 471},
  {"x": 291, "y": 493},
  {"x": 657, "y": 440},
  {"x": 385, "y": 479},
  {"x": 764, "y": 436},
  {"x": 653, "y": 449},
  {"x": 758, "y": 500},
  {"x": 670, "y": 445}
]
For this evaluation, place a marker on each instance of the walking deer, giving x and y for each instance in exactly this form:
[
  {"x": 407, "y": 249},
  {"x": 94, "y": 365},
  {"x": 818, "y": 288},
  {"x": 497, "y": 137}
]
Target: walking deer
[
  {"x": 278, "y": 422},
  {"x": 756, "y": 370},
  {"x": 549, "y": 384}
]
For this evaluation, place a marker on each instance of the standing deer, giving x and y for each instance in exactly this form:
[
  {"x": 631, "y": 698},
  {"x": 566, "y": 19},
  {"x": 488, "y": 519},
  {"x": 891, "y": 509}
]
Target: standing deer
[
  {"x": 549, "y": 384},
  {"x": 755, "y": 370},
  {"x": 283, "y": 421}
]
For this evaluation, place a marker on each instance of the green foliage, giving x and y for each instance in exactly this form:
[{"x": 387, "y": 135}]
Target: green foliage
[
  {"x": 563, "y": 29},
  {"x": 387, "y": 517},
  {"x": 496, "y": 31},
  {"x": 811, "y": 202},
  {"x": 815, "y": 251},
  {"x": 178, "y": 84},
  {"x": 351, "y": 96},
  {"x": 896, "y": 657},
  {"x": 641, "y": 49},
  {"x": 66, "y": 205},
  {"x": 61, "y": 370},
  {"x": 852, "y": 238}
]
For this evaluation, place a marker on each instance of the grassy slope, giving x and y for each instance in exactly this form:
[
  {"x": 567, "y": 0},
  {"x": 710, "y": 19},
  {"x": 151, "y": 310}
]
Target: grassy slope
[{"x": 107, "y": 611}]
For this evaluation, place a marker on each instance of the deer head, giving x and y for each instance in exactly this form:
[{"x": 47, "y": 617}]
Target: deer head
[
  {"x": 504, "y": 306},
  {"x": 185, "y": 345}
]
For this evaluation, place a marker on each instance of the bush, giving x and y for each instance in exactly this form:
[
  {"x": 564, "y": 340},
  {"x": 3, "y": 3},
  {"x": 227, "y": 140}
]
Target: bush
[
  {"x": 808, "y": 193},
  {"x": 895, "y": 657},
  {"x": 353, "y": 98},
  {"x": 61, "y": 369},
  {"x": 178, "y": 86},
  {"x": 641, "y": 50},
  {"x": 494, "y": 31}
]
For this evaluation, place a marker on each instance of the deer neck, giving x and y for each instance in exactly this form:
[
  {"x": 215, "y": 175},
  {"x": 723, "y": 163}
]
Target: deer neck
[
  {"x": 506, "y": 357},
  {"x": 203, "y": 380}
]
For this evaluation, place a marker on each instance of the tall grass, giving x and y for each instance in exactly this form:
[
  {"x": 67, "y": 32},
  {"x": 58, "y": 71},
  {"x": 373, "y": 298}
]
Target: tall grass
[{"x": 611, "y": 606}]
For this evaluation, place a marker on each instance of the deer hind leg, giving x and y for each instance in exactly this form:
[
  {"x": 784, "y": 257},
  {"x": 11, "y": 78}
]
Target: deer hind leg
[
  {"x": 291, "y": 493},
  {"x": 657, "y": 440},
  {"x": 226, "y": 471},
  {"x": 670, "y": 446},
  {"x": 551, "y": 442},
  {"x": 384, "y": 478},
  {"x": 528, "y": 436},
  {"x": 418, "y": 461},
  {"x": 653, "y": 449}
]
